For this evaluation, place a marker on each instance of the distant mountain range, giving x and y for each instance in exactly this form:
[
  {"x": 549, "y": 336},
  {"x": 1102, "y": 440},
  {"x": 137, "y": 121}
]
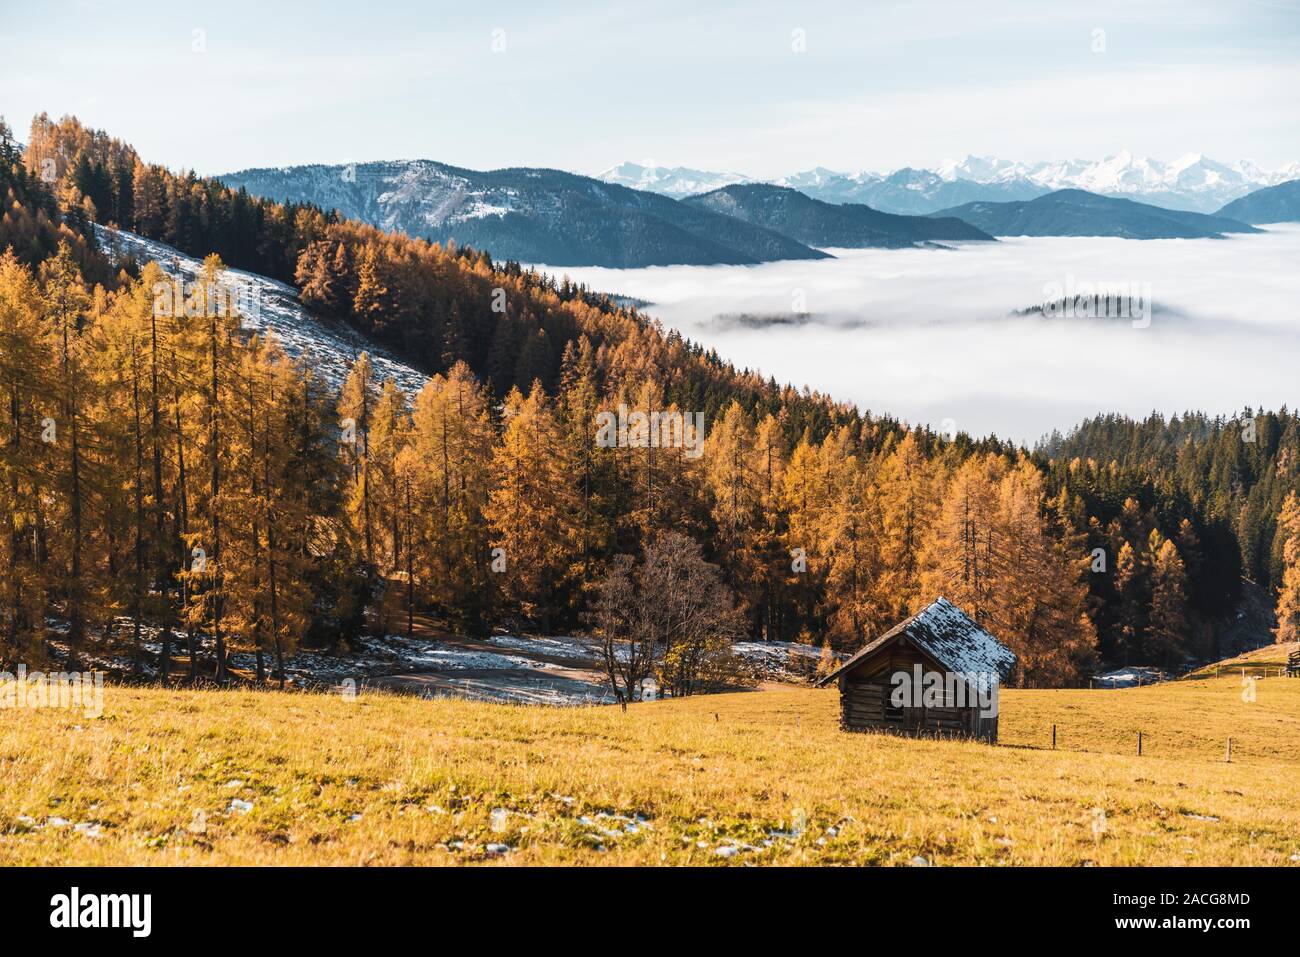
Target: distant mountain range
[
  {"x": 911, "y": 192},
  {"x": 528, "y": 215},
  {"x": 1194, "y": 182},
  {"x": 562, "y": 219},
  {"x": 674, "y": 181},
  {"x": 1272, "y": 204},
  {"x": 1075, "y": 212},
  {"x": 823, "y": 224}
]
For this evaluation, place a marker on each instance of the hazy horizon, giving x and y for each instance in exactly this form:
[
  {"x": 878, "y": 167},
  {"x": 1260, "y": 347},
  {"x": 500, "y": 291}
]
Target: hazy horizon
[{"x": 763, "y": 89}]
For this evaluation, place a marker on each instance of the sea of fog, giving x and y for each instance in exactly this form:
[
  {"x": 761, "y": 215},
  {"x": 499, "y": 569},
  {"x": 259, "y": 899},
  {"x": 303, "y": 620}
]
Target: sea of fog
[{"x": 930, "y": 335}]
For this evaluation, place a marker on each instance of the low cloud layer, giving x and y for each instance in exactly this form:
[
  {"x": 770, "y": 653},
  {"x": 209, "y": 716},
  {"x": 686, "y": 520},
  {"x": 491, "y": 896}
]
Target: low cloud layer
[{"x": 929, "y": 335}]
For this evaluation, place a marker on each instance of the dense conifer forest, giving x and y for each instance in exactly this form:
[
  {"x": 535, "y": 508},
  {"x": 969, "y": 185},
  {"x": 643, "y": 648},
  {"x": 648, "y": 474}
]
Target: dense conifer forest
[{"x": 164, "y": 473}]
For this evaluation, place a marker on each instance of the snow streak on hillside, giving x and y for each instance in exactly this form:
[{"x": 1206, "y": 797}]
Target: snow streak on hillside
[{"x": 329, "y": 348}]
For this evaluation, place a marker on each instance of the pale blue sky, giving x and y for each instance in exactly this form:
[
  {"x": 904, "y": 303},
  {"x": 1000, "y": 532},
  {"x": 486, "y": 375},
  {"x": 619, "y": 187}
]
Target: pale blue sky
[{"x": 711, "y": 85}]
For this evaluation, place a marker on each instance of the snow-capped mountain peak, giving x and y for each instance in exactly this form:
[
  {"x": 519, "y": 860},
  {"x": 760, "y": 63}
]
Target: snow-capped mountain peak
[
  {"x": 814, "y": 178},
  {"x": 978, "y": 169},
  {"x": 675, "y": 181},
  {"x": 1190, "y": 159},
  {"x": 1193, "y": 181}
]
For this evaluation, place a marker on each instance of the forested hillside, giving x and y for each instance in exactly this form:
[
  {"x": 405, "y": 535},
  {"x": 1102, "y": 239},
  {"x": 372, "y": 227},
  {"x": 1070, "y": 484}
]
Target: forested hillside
[
  {"x": 1272, "y": 204},
  {"x": 434, "y": 304},
  {"x": 33, "y": 222},
  {"x": 1230, "y": 476},
  {"x": 164, "y": 468}
]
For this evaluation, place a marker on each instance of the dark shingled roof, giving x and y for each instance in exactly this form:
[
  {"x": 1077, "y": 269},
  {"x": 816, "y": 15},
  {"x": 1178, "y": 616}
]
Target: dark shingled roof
[{"x": 945, "y": 633}]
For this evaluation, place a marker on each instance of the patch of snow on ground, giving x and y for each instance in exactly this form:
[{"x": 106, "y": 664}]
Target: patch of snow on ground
[
  {"x": 780, "y": 649},
  {"x": 516, "y": 689},
  {"x": 465, "y": 659},
  {"x": 569, "y": 647},
  {"x": 1130, "y": 677},
  {"x": 779, "y": 660}
]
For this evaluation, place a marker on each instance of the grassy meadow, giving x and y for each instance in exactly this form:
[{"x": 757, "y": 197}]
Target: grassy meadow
[
  {"x": 1262, "y": 662},
  {"x": 245, "y": 777}
]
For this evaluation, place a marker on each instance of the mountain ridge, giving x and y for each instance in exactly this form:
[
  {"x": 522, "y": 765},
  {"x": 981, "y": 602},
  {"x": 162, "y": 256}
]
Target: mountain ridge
[
  {"x": 524, "y": 214},
  {"x": 1076, "y": 212},
  {"x": 1272, "y": 204},
  {"x": 821, "y": 224}
]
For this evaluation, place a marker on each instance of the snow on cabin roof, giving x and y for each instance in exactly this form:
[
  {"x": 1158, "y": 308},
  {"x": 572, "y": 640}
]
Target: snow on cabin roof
[{"x": 945, "y": 633}]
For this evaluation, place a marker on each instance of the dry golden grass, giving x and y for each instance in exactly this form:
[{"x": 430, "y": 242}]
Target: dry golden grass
[
  {"x": 1262, "y": 661},
  {"x": 388, "y": 780}
]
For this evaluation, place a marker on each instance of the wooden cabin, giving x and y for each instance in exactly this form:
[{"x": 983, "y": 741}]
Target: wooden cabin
[{"x": 936, "y": 674}]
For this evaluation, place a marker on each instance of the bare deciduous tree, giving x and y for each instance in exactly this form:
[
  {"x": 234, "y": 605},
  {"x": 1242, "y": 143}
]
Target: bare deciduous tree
[{"x": 668, "y": 616}]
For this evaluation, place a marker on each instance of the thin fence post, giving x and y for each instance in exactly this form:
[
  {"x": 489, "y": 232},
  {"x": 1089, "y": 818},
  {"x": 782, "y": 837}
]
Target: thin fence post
[
  {"x": 1139, "y": 744},
  {"x": 1228, "y": 758},
  {"x": 1053, "y": 737}
]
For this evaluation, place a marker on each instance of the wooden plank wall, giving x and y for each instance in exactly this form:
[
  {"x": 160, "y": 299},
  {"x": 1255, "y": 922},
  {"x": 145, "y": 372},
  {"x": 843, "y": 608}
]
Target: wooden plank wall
[{"x": 865, "y": 705}]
